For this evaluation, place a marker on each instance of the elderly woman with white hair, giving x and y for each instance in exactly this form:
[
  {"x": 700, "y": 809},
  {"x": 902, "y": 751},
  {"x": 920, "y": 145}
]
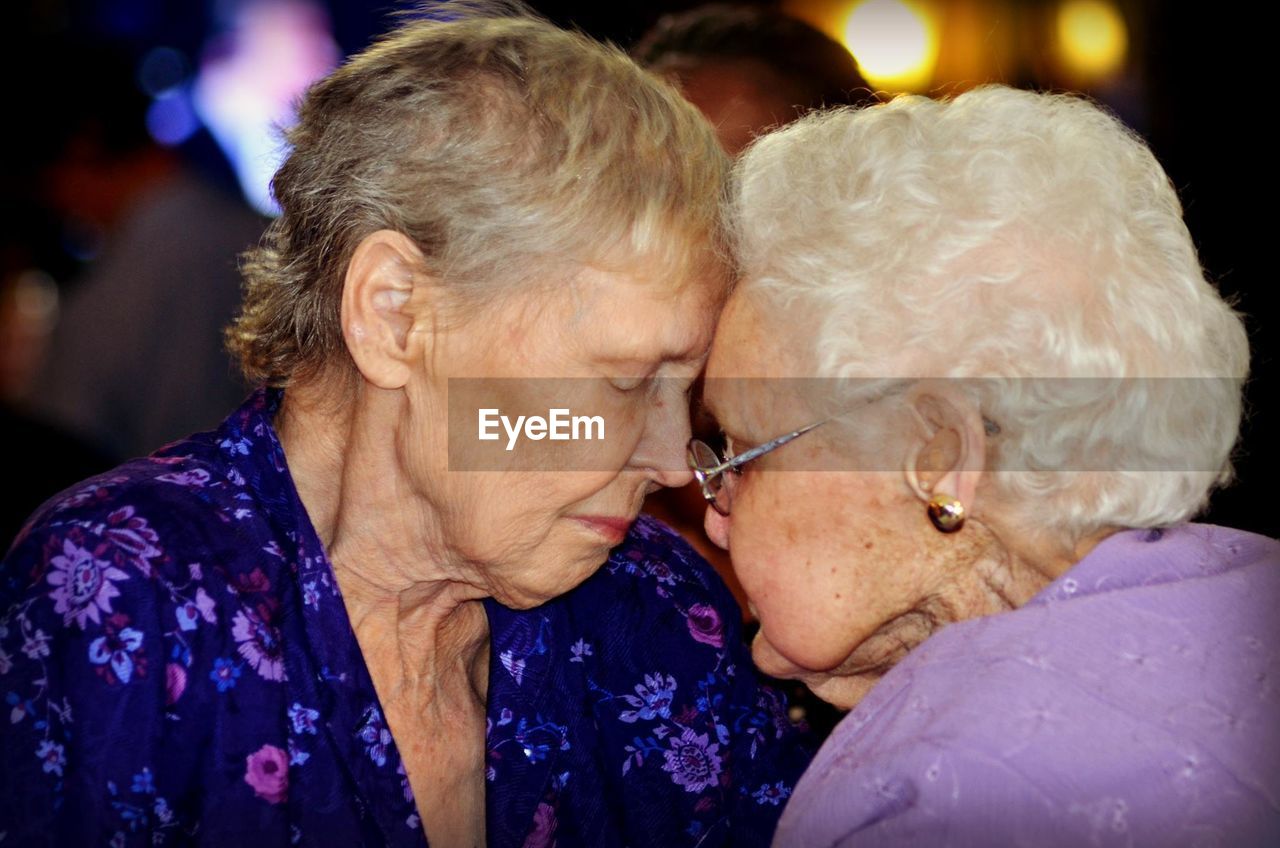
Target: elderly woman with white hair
[
  {"x": 339, "y": 619},
  {"x": 974, "y": 386}
]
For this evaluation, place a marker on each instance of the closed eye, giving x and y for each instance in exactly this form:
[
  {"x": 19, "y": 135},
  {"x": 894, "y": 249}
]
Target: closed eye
[{"x": 630, "y": 384}]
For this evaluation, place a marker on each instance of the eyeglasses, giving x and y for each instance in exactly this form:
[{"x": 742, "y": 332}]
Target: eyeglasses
[{"x": 710, "y": 468}]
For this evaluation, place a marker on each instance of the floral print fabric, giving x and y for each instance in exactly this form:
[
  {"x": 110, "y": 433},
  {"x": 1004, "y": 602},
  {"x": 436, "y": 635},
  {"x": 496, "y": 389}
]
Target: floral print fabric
[{"x": 178, "y": 668}]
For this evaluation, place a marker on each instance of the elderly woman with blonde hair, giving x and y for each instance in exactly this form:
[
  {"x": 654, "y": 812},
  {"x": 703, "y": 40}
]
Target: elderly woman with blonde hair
[
  {"x": 975, "y": 386},
  {"x": 340, "y": 620}
]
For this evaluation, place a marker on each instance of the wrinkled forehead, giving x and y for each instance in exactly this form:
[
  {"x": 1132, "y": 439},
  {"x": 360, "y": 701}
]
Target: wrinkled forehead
[{"x": 683, "y": 267}]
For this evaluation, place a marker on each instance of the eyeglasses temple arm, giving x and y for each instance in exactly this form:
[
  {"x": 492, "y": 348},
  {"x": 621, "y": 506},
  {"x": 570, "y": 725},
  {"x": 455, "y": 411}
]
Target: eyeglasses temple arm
[{"x": 760, "y": 450}]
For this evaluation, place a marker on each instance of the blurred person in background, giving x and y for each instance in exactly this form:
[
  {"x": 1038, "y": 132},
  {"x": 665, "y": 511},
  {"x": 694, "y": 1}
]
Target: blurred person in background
[
  {"x": 91, "y": 318},
  {"x": 137, "y": 359},
  {"x": 153, "y": 212},
  {"x": 751, "y": 68},
  {"x": 310, "y": 627},
  {"x": 970, "y": 522}
]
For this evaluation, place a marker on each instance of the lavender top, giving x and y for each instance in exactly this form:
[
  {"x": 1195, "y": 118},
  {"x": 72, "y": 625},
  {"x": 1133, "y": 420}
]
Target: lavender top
[
  {"x": 1135, "y": 701},
  {"x": 178, "y": 668}
]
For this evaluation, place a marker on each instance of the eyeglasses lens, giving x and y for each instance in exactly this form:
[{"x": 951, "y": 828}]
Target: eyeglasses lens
[{"x": 702, "y": 456}]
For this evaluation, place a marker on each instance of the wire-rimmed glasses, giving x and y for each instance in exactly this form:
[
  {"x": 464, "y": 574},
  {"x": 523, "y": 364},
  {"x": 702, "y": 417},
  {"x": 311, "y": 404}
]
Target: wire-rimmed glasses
[{"x": 710, "y": 468}]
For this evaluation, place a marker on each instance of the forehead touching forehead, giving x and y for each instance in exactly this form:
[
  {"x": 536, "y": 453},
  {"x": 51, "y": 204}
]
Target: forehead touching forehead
[
  {"x": 752, "y": 365},
  {"x": 755, "y": 340}
]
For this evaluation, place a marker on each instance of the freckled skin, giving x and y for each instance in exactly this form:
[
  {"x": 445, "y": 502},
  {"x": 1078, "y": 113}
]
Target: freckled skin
[{"x": 843, "y": 567}]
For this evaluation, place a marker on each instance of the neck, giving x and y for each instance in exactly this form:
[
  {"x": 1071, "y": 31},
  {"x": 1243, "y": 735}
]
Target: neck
[
  {"x": 1050, "y": 555},
  {"x": 1029, "y": 561},
  {"x": 417, "y": 616},
  {"x": 426, "y": 646}
]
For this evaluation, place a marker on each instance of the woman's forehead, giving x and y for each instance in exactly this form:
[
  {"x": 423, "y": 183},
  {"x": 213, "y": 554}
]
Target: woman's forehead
[
  {"x": 740, "y": 374},
  {"x": 750, "y": 343},
  {"x": 759, "y": 375}
]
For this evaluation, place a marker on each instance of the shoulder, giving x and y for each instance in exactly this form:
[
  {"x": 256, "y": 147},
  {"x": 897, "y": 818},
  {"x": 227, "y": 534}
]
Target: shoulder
[
  {"x": 104, "y": 558},
  {"x": 940, "y": 786},
  {"x": 187, "y": 482},
  {"x": 1229, "y": 546},
  {"x": 1160, "y": 564},
  {"x": 112, "y": 576},
  {"x": 130, "y": 607},
  {"x": 145, "y": 523},
  {"x": 1132, "y": 704}
]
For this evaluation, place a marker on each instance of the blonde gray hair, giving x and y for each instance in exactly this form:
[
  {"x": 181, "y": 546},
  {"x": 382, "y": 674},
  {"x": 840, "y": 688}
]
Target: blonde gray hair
[
  {"x": 1004, "y": 235},
  {"x": 506, "y": 148}
]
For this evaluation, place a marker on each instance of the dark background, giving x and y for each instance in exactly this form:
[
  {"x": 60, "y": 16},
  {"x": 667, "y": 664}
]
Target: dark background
[{"x": 1201, "y": 77}]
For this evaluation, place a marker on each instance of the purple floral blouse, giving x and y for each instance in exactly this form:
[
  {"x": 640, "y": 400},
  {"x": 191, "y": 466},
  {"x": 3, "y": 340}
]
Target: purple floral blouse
[{"x": 178, "y": 668}]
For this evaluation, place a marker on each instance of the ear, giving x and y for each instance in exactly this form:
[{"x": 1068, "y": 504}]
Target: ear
[
  {"x": 377, "y": 306},
  {"x": 949, "y": 451}
]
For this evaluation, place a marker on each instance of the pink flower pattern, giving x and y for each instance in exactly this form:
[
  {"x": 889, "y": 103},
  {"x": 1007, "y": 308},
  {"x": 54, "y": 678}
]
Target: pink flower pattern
[
  {"x": 267, "y": 771},
  {"x": 82, "y": 584},
  {"x": 259, "y": 643},
  {"x": 705, "y": 625}
]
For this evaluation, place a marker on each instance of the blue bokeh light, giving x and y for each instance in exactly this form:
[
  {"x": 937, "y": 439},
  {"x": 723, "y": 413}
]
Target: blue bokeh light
[{"x": 171, "y": 119}]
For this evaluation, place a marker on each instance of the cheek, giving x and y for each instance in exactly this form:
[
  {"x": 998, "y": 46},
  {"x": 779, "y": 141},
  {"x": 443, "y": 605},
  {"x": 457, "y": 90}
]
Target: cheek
[
  {"x": 520, "y": 504},
  {"x": 780, "y": 556},
  {"x": 517, "y": 528},
  {"x": 816, "y": 554}
]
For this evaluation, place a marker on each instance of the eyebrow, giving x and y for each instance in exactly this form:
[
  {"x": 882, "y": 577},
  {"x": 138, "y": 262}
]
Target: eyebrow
[{"x": 667, "y": 354}]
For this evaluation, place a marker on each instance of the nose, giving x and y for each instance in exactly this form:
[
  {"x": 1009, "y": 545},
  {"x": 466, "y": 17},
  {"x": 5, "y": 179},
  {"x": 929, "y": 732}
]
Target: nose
[
  {"x": 668, "y": 466},
  {"x": 672, "y": 477},
  {"x": 717, "y": 527},
  {"x": 662, "y": 449}
]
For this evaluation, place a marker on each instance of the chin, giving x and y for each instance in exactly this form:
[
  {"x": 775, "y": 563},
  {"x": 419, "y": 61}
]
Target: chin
[
  {"x": 568, "y": 568},
  {"x": 843, "y": 693},
  {"x": 792, "y": 665}
]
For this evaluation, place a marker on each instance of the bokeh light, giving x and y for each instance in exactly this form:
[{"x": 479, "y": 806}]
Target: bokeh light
[
  {"x": 171, "y": 119},
  {"x": 1092, "y": 38},
  {"x": 895, "y": 42}
]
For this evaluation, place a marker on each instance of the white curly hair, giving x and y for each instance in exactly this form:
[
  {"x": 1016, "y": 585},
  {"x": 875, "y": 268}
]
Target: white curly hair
[{"x": 1030, "y": 245}]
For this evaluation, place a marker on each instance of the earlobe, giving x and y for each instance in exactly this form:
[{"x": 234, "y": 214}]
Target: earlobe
[
  {"x": 717, "y": 528},
  {"x": 377, "y": 307},
  {"x": 948, "y": 455}
]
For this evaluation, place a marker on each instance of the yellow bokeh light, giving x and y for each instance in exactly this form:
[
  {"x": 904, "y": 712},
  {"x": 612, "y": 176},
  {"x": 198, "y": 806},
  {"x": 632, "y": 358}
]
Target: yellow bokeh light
[
  {"x": 1092, "y": 37},
  {"x": 895, "y": 41}
]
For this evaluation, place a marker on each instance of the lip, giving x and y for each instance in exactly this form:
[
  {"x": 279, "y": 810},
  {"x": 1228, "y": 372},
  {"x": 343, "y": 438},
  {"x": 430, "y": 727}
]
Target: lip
[{"x": 612, "y": 528}]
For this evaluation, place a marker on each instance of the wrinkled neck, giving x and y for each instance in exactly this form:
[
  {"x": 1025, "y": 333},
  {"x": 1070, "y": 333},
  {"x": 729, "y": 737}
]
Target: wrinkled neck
[{"x": 417, "y": 616}]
